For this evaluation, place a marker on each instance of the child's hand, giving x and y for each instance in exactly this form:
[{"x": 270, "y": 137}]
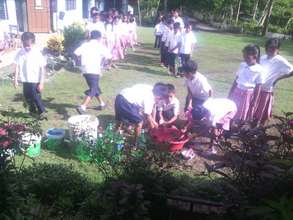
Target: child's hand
[{"x": 40, "y": 87}]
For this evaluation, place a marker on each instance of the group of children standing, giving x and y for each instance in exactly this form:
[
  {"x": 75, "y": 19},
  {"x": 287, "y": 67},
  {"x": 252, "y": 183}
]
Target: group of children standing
[
  {"x": 250, "y": 97},
  {"x": 175, "y": 40}
]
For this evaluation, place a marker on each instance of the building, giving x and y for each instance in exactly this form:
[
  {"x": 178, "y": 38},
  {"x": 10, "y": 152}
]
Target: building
[{"x": 43, "y": 16}]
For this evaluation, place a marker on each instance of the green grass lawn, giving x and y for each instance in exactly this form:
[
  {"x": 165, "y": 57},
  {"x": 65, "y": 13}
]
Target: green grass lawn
[{"x": 218, "y": 56}]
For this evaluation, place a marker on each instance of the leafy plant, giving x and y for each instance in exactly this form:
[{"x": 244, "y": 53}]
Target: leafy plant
[
  {"x": 13, "y": 125},
  {"x": 281, "y": 209},
  {"x": 55, "y": 44},
  {"x": 59, "y": 190},
  {"x": 106, "y": 151},
  {"x": 74, "y": 34}
]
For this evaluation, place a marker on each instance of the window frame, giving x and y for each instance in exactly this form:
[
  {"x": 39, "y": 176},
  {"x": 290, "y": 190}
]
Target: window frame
[
  {"x": 4, "y": 15},
  {"x": 70, "y": 5}
]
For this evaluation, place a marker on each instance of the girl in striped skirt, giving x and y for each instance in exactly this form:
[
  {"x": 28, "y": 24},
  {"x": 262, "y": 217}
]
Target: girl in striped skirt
[
  {"x": 246, "y": 87},
  {"x": 277, "y": 67}
]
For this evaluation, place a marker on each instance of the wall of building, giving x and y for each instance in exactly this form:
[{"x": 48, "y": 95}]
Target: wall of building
[{"x": 11, "y": 10}]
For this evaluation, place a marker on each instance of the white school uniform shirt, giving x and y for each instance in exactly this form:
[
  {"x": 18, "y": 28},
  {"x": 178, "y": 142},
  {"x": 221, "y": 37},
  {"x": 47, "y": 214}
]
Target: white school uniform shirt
[
  {"x": 132, "y": 27},
  {"x": 199, "y": 86},
  {"x": 179, "y": 20},
  {"x": 92, "y": 53},
  {"x": 218, "y": 108},
  {"x": 187, "y": 41},
  {"x": 165, "y": 33},
  {"x": 140, "y": 95},
  {"x": 275, "y": 68},
  {"x": 159, "y": 29},
  {"x": 249, "y": 76},
  {"x": 174, "y": 104},
  {"x": 30, "y": 64},
  {"x": 173, "y": 40},
  {"x": 124, "y": 28},
  {"x": 168, "y": 37},
  {"x": 98, "y": 26}
]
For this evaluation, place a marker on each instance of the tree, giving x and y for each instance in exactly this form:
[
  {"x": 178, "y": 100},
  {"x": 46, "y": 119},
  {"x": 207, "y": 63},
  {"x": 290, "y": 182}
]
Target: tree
[
  {"x": 255, "y": 7},
  {"x": 267, "y": 19},
  {"x": 165, "y": 7},
  {"x": 238, "y": 11}
]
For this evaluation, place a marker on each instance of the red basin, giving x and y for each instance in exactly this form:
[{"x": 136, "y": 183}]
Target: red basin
[{"x": 168, "y": 139}]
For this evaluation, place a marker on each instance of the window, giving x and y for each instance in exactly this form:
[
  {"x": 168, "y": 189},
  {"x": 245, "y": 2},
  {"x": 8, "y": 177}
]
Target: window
[
  {"x": 70, "y": 5},
  {"x": 3, "y": 10}
]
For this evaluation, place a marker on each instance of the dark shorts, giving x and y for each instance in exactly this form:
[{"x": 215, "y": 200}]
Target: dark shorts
[
  {"x": 93, "y": 82},
  {"x": 172, "y": 59},
  {"x": 167, "y": 115},
  {"x": 198, "y": 111},
  {"x": 184, "y": 58},
  {"x": 127, "y": 112}
]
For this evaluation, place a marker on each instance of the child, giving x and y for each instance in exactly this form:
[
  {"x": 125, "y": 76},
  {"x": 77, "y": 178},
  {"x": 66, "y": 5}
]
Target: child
[
  {"x": 95, "y": 25},
  {"x": 92, "y": 53},
  {"x": 167, "y": 111},
  {"x": 130, "y": 101},
  {"x": 198, "y": 88},
  {"x": 117, "y": 52},
  {"x": 173, "y": 48},
  {"x": 167, "y": 28},
  {"x": 30, "y": 67},
  {"x": 246, "y": 87},
  {"x": 187, "y": 43},
  {"x": 132, "y": 32},
  {"x": 159, "y": 28},
  {"x": 277, "y": 68}
]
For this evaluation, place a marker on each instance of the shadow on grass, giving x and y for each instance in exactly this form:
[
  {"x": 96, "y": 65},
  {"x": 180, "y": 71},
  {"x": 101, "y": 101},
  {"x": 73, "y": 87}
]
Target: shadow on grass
[
  {"x": 144, "y": 70},
  {"x": 140, "y": 59},
  {"x": 105, "y": 119}
]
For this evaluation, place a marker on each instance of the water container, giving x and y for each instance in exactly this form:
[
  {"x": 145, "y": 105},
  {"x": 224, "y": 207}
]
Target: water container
[
  {"x": 55, "y": 138},
  {"x": 83, "y": 127},
  {"x": 33, "y": 142}
]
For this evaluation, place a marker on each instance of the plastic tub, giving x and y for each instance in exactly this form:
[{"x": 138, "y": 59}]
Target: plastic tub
[
  {"x": 83, "y": 127},
  {"x": 55, "y": 138},
  {"x": 169, "y": 139},
  {"x": 33, "y": 142}
]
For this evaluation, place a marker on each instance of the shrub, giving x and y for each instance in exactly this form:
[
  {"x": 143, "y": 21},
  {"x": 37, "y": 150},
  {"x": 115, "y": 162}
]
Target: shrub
[
  {"x": 55, "y": 44},
  {"x": 57, "y": 187},
  {"x": 73, "y": 36},
  {"x": 252, "y": 28},
  {"x": 277, "y": 29}
]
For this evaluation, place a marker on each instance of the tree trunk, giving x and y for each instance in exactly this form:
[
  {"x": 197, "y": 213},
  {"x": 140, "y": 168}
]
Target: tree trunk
[
  {"x": 238, "y": 11},
  {"x": 255, "y": 7},
  {"x": 264, "y": 13},
  {"x": 165, "y": 7},
  {"x": 267, "y": 20},
  {"x": 231, "y": 12},
  {"x": 139, "y": 13}
]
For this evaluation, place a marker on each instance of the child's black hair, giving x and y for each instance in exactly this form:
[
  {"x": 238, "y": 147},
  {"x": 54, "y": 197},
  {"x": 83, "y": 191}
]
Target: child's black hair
[
  {"x": 93, "y": 11},
  {"x": 186, "y": 25},
  {"x": 190, "y": 67},
  {"x": 252, "y": 49},
  {"x": 28, "y": 36},
  {"x": 176, "y": 25},
  {"x": 273, "y": 43},
  {"x": 95, "y": 35},
  {"x": 161, "y": 90},
  {"x": 171, "y": 88}
]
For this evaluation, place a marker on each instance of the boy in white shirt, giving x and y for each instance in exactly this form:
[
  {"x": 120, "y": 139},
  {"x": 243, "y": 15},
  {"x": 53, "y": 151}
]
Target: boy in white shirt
[
  {"x": 167, "y": 111},
  {"x": 176, "y": 18},
  {"x": 173, "y": 48},
  {"x": 167, "y": 28},
  {"x": 159, "y": 29},
  {"x": 92, "y": 53},
  {"x": 198, "y": 88},
  {"x": 30, "y": 68},
  {"x": 134, "y": 104},
  {"x": 187, "y": 44}
]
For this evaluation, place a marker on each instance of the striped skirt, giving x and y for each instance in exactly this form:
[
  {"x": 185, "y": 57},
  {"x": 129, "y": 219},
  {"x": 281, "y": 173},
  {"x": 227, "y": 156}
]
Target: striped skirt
[
  {"x": 264, "y": 107},
  {"x": 242, "y": 99}
]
